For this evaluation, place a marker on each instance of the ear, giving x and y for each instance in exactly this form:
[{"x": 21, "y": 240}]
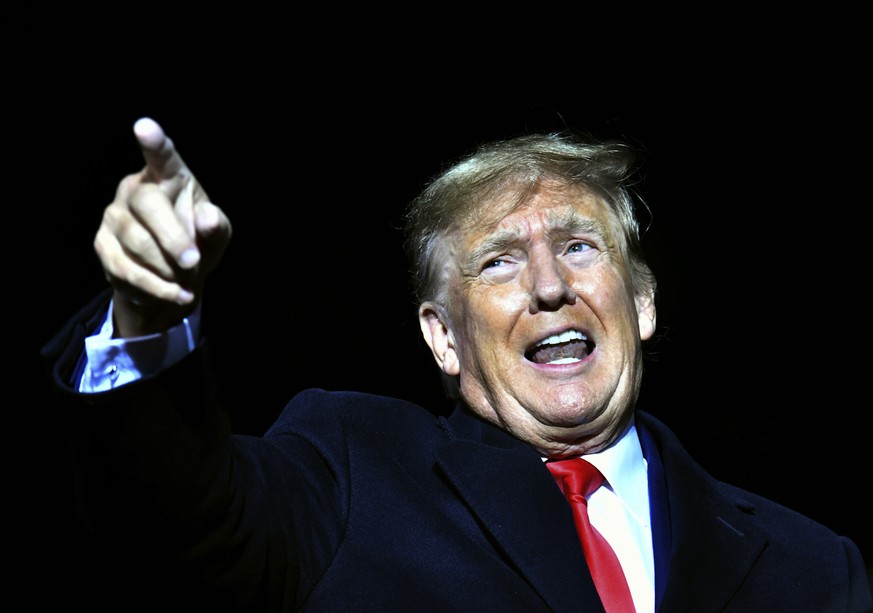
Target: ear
[
  {"x": 645, "y": 301},
  {"x": 438, "y": 337}
]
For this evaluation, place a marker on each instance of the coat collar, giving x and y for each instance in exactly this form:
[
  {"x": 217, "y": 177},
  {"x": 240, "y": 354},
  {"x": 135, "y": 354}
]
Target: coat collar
[{"x": 506, "y": 486}]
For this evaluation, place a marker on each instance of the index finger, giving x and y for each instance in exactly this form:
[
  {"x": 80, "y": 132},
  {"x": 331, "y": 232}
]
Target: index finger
[{"x": 162, "y": 159}]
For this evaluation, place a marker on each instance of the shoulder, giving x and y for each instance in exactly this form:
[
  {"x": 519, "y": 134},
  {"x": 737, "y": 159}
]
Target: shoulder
[
  {"x": 692, "y": 488},
  {"x": 357, "y": 435},
  {"x": 317, "y": 411}
]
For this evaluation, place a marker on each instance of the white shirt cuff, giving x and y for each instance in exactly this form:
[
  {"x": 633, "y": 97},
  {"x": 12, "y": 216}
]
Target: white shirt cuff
[{"x": 112, "y": 362}]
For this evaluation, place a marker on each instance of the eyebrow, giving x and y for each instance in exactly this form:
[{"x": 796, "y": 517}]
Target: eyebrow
[
  {"x": 498, "y": 241},
  {"x": 569, "y": 222}
]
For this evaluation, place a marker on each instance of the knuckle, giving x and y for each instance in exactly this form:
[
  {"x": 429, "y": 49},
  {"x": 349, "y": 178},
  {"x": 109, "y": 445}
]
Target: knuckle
[
  {"x": 112, "y": 214},
  {"x": 145, "y": 198},
  {"x": 135, "y": 239},
  {"x": 128, "y": 184},
  {"x": 113, "y": 267}
]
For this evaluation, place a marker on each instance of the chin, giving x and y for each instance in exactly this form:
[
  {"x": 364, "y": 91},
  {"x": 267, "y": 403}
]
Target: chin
[
  {"x": 570, "y": 404},
  {"x": 564, "y": 415}
]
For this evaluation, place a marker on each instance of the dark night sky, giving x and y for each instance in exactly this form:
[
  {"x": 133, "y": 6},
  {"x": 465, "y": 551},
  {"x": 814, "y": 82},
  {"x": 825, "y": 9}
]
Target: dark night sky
[{"x": 757, "y": 240}]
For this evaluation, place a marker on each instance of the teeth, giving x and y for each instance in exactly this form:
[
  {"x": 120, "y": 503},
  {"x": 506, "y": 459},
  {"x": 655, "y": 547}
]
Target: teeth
[
  {"x": 563, "y": 337},
  {"x": 565, "y": 361}
]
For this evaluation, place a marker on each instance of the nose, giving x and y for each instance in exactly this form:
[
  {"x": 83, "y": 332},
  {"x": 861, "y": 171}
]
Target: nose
[{"x": 548, "y": 282}]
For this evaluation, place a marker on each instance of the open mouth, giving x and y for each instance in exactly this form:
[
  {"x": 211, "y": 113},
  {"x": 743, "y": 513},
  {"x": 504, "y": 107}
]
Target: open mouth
[{"x": 565, "y": 348}]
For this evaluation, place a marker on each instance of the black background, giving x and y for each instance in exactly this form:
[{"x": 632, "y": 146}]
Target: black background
[{"x": 755, "y": 172}]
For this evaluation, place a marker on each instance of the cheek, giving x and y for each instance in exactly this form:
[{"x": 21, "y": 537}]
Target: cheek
[
  {"x": 609, "y": 298},
  {"x": 484, "y": 322},
  {"x": 598, "y": 290},
  {"x": 504, "y": 304},
  {"x": 494, "y": 311}
]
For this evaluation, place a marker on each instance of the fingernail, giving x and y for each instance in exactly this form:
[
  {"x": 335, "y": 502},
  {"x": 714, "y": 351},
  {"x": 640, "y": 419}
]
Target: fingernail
[
  {"x": 189, "y": 258},
  {"x": 185, "y": 297}
]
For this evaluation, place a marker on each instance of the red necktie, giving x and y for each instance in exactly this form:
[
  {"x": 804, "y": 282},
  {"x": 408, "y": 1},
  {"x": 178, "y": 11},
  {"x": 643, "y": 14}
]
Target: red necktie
[{"x": 578, "y": 479}]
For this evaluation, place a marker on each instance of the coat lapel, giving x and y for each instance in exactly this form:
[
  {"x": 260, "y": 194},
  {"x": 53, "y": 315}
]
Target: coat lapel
[
  {"x": 506, "y": 486},
  {"x": 713, "y": 539}
]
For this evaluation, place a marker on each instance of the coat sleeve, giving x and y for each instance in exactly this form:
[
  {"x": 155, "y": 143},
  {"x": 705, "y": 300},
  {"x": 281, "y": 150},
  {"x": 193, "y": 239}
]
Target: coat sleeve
[{"x": 182, "y": 512}]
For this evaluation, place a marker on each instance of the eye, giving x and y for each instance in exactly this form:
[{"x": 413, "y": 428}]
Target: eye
[
  {"x": 500, "y": 269},
  {"x": 495, "y": 263},
  {"x": 578, "y": 247}
]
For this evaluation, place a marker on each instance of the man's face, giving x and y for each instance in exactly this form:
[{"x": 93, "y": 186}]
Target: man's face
[{"x": 542, "y": 323}]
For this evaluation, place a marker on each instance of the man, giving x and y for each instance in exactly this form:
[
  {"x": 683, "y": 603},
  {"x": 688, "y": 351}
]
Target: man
[{"x": 535, "y": 300}]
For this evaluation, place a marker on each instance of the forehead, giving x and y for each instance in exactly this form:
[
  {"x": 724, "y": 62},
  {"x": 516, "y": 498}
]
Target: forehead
[{"x": 549, "y": 207}]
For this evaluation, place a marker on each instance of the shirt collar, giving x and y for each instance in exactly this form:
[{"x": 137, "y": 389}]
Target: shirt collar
[{"x": 624, "y": 467}]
